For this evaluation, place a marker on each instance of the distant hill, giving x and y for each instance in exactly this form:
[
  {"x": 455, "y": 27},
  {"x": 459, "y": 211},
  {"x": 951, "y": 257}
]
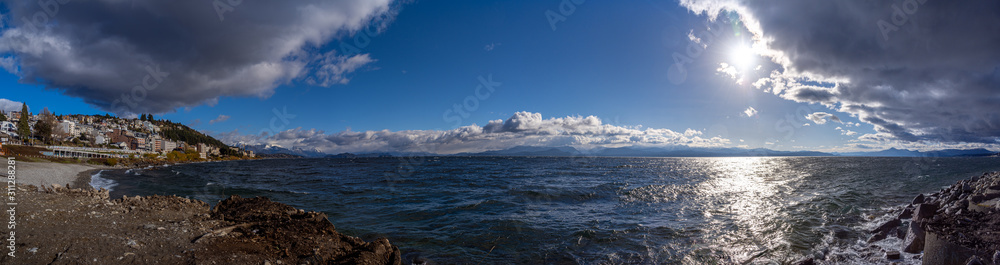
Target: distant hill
[
  {"x": 280, "y": 155},
  {"x": 642, "y": 152},
  {"x": 633, "y": 151},
  {"x": 261, "y": 149},
  {"x": 528, "y": 151},
  {"x": 893, "y": 152}
]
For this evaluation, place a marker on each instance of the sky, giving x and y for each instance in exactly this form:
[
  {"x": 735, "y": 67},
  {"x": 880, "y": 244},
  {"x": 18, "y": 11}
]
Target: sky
[{"x": 466, "y": 76}]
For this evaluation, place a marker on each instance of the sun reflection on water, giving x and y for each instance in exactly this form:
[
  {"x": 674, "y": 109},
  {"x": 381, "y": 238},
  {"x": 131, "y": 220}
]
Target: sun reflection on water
[{"x": 742, "y": 200}]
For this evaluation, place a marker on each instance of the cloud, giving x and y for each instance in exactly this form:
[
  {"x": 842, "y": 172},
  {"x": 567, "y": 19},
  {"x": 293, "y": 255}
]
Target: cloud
[
  {"x": 9, "y": 64},
  {"x": 821, "y": 117},
  {"x": 221, "y": 118},
  {"x": 923, "y": 74},
  {"x": 750, "y": 112},
  {"x": 333, "y": 69},
  {"x": 491, "y": 46},
  {"x": 521, "y": 129},
  {"x": 7, "y": 105},
  {"x": 179, "y": 53}
]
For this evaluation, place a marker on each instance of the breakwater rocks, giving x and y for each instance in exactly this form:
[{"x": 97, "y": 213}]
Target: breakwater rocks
[
  {"x": 65, "y": 225},
  {"x": 957, "y": 225}
]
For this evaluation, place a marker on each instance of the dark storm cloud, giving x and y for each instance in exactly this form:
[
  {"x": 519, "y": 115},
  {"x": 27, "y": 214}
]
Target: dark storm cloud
[
  {"x": 155, "y": 56},
  {"x": 919, "y": 70}
]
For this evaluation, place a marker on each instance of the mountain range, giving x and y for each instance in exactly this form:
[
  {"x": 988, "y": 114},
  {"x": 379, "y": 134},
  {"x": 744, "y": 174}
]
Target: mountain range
[{"x": 634, "y": 151}]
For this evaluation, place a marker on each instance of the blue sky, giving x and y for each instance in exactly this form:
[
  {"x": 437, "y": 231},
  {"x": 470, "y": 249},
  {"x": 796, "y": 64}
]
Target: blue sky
[{"x": 611, "y": 60}]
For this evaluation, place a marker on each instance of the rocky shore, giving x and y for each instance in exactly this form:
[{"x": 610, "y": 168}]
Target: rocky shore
[
  {"x": 67, "y": 225},
  {"x": 957, "y": 225}
]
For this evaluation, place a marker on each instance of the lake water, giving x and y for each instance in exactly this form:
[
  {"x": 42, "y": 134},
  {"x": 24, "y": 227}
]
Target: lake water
[{"x": 580, "y": 210}]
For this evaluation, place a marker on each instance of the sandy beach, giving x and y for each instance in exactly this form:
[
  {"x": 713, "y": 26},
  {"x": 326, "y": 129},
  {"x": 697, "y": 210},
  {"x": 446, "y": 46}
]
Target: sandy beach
[{"x": 47, "y": 173}]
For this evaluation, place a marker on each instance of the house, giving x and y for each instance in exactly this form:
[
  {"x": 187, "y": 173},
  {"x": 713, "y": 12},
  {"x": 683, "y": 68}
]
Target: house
[{"x": 8, "y": 126}]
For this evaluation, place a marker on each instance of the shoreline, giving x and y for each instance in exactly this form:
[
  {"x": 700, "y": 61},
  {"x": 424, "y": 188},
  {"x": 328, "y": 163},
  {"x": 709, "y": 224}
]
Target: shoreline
[
  {"x": 955, "y": 225},
  {"x": 85, "y": 225}
]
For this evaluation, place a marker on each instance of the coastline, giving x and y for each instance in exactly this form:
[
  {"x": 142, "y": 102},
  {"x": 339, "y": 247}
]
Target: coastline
[
  {"x": 955, "y": 225},
  {"x": 85, "y": 225},
  {"x": 48, "y": 173}
]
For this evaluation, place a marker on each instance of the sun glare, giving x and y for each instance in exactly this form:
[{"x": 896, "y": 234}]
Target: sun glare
[{"x": 742, "y": 57}]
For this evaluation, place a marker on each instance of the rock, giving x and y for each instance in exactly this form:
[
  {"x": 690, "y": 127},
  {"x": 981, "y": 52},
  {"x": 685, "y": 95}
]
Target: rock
[
  {"x": 924, "y": 211},
  {"x": 891, "y": 255},
  {"x": 906, "y": 214},
  {"x": 884, "y": 230},
  {"x": 914, "y": 241},
  {"x": 919, "y": 199},
  {"x": 975, "y": 260},
  {"x": 808, "y": 261}
]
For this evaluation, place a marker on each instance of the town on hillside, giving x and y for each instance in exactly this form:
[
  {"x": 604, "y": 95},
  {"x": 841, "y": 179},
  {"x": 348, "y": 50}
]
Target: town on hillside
[{"x": 107, "y": 139}]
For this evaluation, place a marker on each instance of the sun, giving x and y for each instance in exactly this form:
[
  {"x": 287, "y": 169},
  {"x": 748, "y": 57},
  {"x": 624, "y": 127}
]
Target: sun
[{"x": 742, "y": 57}]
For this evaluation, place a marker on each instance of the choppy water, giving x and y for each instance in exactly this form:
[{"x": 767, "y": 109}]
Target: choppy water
[{"x": 585, "y": 210}]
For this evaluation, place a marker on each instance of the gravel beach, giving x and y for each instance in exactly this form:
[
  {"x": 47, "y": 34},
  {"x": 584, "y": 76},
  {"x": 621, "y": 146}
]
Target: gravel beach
[{"x": 47, "y": 173}]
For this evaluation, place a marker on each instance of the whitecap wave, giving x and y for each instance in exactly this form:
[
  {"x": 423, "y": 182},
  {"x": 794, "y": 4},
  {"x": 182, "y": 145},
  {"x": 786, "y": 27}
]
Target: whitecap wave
[{"x": 98, "y": 182}]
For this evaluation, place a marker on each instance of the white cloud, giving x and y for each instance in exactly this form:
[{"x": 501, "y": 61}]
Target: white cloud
[
  {"x": 750, "y": 112},
  {"x": 491, "y": 46},
  {"x": 7, "y": 105},
  {"x": 9, "y": 64},
  {"x": 821, "y": 117},
  {"x": 221, "y": 118},
  {"x": 522, "y": 128},
  {"x": 332, "y": 69}
]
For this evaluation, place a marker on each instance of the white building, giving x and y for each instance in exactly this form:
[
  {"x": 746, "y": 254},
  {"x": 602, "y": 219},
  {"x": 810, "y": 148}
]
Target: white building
[
  {"x": 8, "y": 126},
  {"x": 169, "y": 146},
  {"x": 68, "y": 127}
]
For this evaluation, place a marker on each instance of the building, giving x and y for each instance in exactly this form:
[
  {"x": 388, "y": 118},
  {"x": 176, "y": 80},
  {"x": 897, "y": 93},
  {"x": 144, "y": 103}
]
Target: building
[
  {"x": 68, "y": 127},
  {"x": 169, "y": 146},
  {"x": 8, "y": 126}
]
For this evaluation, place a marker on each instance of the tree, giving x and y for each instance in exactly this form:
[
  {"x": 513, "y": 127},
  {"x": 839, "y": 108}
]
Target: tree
[
  {"x": 45, "y": 125},
  {"x": 142, "y": 117},
  {"x": 3, "y": 117},
  {"x": 22, "y": 123}
]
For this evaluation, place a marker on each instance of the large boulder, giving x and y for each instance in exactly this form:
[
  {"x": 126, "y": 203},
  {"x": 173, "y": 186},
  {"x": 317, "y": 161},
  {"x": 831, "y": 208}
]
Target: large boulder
[
  {"x": 884, "y": 230},
  {"x": 914, "y": 241},
  {"x": 924, "y": 211},
  {"x": 290, "y": 232}
]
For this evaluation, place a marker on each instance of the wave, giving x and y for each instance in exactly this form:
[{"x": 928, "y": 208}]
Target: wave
[{"x": 98, "y": 182}]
